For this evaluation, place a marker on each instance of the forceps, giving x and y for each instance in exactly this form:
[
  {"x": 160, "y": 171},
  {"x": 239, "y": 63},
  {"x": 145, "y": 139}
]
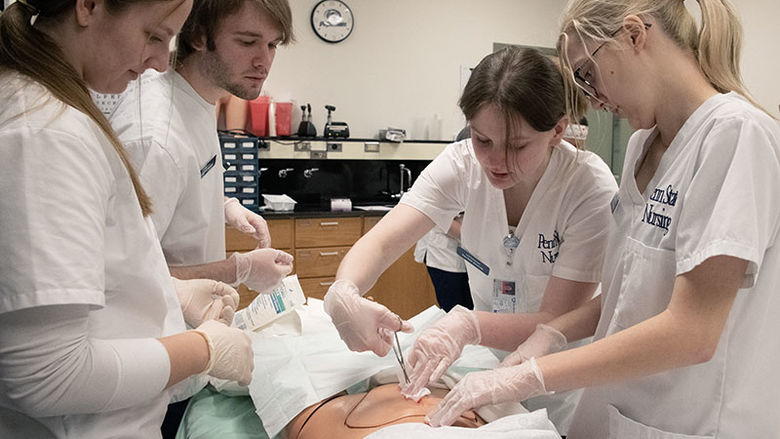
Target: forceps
[{"x": 399, "y": 354}]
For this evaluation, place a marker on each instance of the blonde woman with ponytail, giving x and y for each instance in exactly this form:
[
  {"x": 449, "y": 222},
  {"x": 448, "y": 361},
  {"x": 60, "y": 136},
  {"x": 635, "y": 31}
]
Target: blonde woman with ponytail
[
  {"x": 686, "y": 326},
  {"x": 91, "y": 333}
]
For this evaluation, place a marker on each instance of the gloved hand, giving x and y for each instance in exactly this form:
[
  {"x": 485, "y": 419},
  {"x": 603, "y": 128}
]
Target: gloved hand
[
  {"x": 516, "y": 383},
  {"x": 439, "y": 346},
  {"x": 545, "y": 340},
  {"x": 230, "y": 352},
  {"x": 206, "y": 299},
  {"x": 261, "y": 269},
  {"x": 246, "y": 221},
  {"x": 362, "y": 324}
]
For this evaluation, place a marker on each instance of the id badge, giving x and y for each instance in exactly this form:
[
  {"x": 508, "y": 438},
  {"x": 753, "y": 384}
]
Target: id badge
[{"x": 504, "y": 296}]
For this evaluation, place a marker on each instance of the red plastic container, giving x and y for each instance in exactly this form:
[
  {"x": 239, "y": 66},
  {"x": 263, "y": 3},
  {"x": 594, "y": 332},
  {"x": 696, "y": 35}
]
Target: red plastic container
[
  {"x": 258, "y": 116},
  {"x": 283, "y": 118}
]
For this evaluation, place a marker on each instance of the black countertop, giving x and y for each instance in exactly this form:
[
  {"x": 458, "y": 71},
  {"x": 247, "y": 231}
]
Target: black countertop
[{"x": 318, "y": 211}]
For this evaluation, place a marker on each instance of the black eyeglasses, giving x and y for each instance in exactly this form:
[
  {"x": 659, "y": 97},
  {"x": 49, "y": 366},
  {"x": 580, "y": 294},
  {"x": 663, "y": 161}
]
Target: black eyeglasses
[{"x": 585, "y": 81}]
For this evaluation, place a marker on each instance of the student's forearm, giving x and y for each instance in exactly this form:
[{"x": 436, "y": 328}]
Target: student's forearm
[
  {"x": 378, "y": 249},
  {"x": 687, "y": 332},
  {"x": 579, "y": 323},
  {"x": 223, "y": 271},
  {"x": 189, "y": 355}
]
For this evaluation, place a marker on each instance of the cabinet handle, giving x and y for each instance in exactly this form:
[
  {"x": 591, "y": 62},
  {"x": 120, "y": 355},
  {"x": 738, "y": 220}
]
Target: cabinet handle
[
  {"x": 329, "y": 223},
  {"x": 329, "y": 253},
  {"x": 326, "y": 284}
]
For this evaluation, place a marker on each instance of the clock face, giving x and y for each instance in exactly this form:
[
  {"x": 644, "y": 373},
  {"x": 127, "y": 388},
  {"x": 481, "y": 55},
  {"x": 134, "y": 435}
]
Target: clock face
[{"x": 332, "y": 20}]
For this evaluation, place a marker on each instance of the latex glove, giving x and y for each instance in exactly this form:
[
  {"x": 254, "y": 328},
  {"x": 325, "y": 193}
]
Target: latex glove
[
  {"x": 206, "y": 299},
  {"x": 516, "y": 383},
  {"x": 230, "y": 352},
  {"x": 545, "y": 340},
  {"x": 246, "y": 221},
  {"x": 362, "y": 324},
  {"x": 262, "y": 269},
  {"x": 439, "y": 346}
]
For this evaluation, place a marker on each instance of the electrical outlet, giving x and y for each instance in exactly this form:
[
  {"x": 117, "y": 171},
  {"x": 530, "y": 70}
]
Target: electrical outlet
[
  {"x": 302, "y": 146},
  {"x": 319, "y": 155},
  {"x": 334, "y": 147},
  {"x": 371, "y": 147}
]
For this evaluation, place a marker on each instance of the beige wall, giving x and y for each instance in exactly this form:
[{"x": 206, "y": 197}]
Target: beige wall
[{"x": 401, "y": 65}]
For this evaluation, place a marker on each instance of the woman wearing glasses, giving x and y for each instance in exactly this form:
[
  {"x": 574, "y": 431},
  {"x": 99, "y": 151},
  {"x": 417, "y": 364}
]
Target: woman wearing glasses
[
  {"x": 686, "y": 325},
  {"x": 533, "y": 233}
]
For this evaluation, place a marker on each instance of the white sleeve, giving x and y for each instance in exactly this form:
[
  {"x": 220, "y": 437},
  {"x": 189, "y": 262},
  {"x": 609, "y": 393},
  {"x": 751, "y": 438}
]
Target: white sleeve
[
  {"x": 731, "y": 204},
  {"x": 163, "y": 179},
  {"x": 441, "y": 189},
  {"x": 49, "y": 366},
  {"x": 587, "y": 219}
]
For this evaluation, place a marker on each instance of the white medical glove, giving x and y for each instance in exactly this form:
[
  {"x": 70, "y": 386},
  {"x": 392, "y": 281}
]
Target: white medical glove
[
  {"x": 246, "y": 221},
  {"x": 230, "y": 352},
  {"x": 439, "y": 346},
  {"x": 261, "y": 269},
  {"x": 362, "y": 324},
  {"x": 516, "y": 383},
  {"x": 206, "y": 299},
  {"x": 544, "y": 340}
]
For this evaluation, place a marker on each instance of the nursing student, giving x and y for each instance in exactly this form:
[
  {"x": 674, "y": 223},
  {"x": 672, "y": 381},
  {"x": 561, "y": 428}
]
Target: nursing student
[
  {"x": 533, "y": 232},
  {"x": 686, "y": 325},
  {"x": 91, "y": 333}
]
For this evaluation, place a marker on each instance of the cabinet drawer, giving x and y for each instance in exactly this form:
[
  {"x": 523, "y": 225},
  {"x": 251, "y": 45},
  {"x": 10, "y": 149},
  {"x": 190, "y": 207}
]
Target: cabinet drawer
[
  {"x": 281, "y": 236},
  {"x": 311, "y": 232},
  {"x": 322, "y": 261},
  {"x": 316, "y": 287}
]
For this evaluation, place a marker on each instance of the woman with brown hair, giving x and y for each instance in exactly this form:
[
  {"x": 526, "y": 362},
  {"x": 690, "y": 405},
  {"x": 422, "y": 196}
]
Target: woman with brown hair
[
  {"x": 532, "y": 234},
  {"x": 686, "y": 324},
  {"x": 91, "y": 334}
]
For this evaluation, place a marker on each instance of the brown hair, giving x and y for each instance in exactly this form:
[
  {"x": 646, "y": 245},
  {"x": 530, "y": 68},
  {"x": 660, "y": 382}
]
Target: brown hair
[
  {"x": 520, "y": 82},
  {"x": 27, "y": 50},
  {"x": 717, "y": 44},
  {"x": 206, "y": 16}
]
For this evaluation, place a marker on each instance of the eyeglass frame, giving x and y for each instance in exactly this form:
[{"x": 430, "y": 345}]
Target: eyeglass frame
[{"x": 583, "y": 83}]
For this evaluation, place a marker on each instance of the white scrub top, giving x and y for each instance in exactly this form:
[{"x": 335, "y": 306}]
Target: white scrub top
[
  {"x": 562, "y": 232},
  {"x": 715, "y": 192},
  {"x": 437, "y": 249},
  {"x": 174, "y": 146},
  {"x": 73, "y": 233}
]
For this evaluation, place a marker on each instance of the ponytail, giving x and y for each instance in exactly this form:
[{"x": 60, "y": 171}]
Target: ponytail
[{"x": 27, "y": 50}]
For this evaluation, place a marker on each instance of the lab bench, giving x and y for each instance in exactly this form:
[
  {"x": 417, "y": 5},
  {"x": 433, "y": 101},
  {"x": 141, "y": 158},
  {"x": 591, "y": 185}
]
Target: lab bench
[{"x": 320, "y": 239}]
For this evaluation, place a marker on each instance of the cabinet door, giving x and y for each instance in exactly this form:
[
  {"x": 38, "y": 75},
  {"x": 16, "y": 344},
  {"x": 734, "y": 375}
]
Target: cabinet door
[{"x": 281, "y": 236}]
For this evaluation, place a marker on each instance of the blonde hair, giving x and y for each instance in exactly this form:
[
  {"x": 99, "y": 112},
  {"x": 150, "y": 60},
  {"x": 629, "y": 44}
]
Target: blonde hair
[
  {"x": 27, "y": 50},
  {"x": 717, "y": 45}
]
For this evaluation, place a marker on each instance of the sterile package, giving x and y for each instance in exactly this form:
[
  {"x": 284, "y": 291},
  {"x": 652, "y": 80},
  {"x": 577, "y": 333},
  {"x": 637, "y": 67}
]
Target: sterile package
[
  {"x": 279, "y": 203},
  {"x": 268, "y": 307}
]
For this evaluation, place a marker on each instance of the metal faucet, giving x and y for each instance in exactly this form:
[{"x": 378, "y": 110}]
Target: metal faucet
[
  {"x": 307, "y": 173},
  {"x": 403, "y": 171},
  {"x": 283, "y": 172}
]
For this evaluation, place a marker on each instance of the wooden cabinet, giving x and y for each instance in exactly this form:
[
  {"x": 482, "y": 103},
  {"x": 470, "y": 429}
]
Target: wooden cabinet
[{"x": 319, "y": 245}]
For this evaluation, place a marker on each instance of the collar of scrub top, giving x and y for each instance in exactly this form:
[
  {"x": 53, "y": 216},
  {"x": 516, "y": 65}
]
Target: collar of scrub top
[{"x": 399, "y": 355}]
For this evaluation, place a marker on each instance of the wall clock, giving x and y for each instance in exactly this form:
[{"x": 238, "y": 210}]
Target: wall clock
[{"x": 332, "y": 20}]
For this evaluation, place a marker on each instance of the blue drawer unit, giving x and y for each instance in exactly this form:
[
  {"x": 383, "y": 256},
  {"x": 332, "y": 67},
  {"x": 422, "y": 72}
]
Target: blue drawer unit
[{"x": 240, "y": 160}]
